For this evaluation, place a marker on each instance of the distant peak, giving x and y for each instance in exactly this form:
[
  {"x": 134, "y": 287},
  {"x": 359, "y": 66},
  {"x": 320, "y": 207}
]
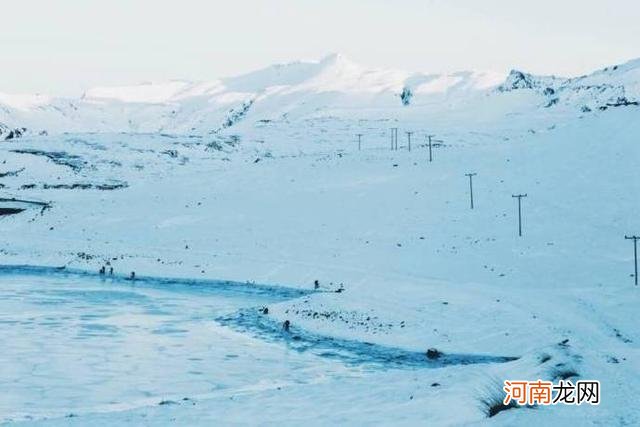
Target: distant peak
[{"x": 521, "y": 80}]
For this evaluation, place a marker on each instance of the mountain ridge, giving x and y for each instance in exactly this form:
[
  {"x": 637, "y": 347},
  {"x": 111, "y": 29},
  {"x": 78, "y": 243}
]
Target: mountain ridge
[{"x": 334, "y": 84}]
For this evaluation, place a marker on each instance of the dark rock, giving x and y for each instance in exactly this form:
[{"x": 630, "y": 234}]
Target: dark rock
[{"x": 433, "y": 354}]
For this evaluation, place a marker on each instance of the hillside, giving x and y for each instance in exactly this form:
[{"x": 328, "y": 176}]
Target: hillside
[
  {"x": 332, "y": 86},
  {"x": 258, "y": 179}
]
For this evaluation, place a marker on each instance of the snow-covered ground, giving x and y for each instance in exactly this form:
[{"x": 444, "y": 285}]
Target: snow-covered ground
[{"x": 271, "y": 189}]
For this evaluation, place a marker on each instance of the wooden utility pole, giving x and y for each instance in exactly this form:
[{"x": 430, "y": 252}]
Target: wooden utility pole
[
  {"x": 394, "y": 139},
  {"x": 409, "y": 133},
  {"x": 430, "y": 138},
  {"x": 635, "y": 254},
  {"x": 359, "y": 135},
  {"x": 471, "y": 175},
  {"x": 391, "y": 129},
  {"x": 519, "y": 197}
]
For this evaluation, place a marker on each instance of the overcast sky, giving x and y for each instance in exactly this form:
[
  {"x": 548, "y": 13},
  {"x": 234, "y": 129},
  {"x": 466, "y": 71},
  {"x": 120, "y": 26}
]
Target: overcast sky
[{"x": 63, "y": 47}]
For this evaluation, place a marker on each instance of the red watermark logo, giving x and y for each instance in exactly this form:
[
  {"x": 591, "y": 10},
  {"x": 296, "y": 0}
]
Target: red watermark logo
[{"x": 547, "y": 393}]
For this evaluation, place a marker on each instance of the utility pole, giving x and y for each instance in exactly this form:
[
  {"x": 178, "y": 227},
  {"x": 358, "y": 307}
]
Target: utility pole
[
  {"x": 359, "y": 135},
  {"x": 471, "y": 175},
  {"x": 391, "y": 129},
  {"x": 435, "y": 140},
  {"x": 409, "y": 133},
  {"x": 635, "y": 254},
  {"x": 519, "y": 197},
  {"x": 394, "y": 139}
]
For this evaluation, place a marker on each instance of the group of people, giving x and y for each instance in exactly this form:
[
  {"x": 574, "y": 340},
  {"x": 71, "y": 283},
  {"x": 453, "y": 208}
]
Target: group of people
[{"x": 103, "y": 271}]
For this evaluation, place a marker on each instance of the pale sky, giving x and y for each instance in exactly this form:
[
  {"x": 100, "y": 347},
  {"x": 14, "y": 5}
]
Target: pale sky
[{"x": 63, "y": 47}]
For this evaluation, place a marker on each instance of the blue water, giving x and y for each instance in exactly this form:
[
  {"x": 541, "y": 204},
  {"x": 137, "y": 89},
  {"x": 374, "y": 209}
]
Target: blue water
[{"x": 76, "y": 342}]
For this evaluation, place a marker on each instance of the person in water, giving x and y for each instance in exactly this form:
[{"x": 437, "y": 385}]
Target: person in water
[{"x": 286, "y": 326}]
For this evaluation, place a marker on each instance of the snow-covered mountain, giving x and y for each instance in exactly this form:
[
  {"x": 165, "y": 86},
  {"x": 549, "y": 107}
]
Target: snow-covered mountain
[
  {"x": 614, "y": 86},
  {"x": 333, "y": 86}
]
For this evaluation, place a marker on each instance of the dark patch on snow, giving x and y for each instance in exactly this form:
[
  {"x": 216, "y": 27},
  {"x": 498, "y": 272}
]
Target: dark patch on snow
[
  {"x": 224, "y": 287},
  {"x": 348, "y": 351},
  {"x": 116, "y": 185},
  {"x": 406, "y": 95},
  {"x": 549, "y": 91},
  {"x": 620, "y": 102},
  {"x": 544, "y": 358},
  {"x": 518, "y": 80},
  {"x": 11, "y": 206},
  {"x": 433, "y": 354},
  {"x": 221, "y": 142},
  {"x": 10, "y": 211},
  {"x": 493, "y": 407},
  {"x": 94, "y": 145},
  {"x": 492, "y": 400},
  {"x": 621, "y": 337},
  {"x": 236, "y": 114},
  {"x": 11, "y": 173},
  {"x": 58, "y": 157},
  {"x": 31, "y": 202},
  {"x": 171, "y": 153},
  {"x": 8, "y": 134}
]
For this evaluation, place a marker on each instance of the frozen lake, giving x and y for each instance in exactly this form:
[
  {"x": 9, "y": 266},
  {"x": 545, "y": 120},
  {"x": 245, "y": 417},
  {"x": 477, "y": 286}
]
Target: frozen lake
[{"x": 76, "y": 343}]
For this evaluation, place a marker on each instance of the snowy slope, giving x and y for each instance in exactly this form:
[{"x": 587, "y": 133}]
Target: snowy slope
[{"x": 280, "y": 194}]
